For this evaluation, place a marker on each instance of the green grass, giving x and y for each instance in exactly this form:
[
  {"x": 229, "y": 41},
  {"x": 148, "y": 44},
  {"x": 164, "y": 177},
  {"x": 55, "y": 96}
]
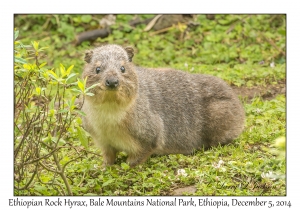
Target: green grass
[
  {"x": 235, "y": 169},
  {"x": 251, "y": 165},
  {"x": 244, "y": 162}
]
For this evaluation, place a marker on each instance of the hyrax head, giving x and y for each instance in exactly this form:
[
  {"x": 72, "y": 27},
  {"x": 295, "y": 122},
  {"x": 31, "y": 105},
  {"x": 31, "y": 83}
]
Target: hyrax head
[{"x": 110, "y": 67}]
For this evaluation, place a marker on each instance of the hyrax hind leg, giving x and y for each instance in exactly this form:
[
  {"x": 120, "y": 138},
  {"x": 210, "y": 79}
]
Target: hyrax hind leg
[
  {"x": 224, "y": 122},
  {"x": 136, "y": 159}
]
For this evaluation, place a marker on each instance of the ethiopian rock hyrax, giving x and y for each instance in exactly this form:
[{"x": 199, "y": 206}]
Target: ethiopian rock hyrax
[{"x": 155, "y": 111}]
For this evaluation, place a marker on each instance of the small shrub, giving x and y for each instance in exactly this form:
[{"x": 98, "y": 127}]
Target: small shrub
[{"x": 46, "y": 123}]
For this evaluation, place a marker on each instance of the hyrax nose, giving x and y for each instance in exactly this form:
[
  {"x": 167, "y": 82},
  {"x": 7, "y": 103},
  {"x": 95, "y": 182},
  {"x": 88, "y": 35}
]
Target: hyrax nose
[{"x": 112, "y": 82}]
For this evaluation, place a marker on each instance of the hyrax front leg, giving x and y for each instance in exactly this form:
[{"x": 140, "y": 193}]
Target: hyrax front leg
[{"x": 109, "y": 155}]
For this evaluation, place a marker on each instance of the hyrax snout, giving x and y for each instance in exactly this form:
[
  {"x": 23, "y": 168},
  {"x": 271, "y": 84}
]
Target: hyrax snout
[
  {"x": 112, "y": 82},
  {"x": 155, "y": 111}
]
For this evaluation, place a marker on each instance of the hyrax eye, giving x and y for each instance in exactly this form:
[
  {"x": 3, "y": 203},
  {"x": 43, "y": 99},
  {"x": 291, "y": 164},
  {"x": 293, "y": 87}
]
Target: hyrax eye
[
  {"x": 122, "y": 69},
  {"x": 98, "y": 69}
]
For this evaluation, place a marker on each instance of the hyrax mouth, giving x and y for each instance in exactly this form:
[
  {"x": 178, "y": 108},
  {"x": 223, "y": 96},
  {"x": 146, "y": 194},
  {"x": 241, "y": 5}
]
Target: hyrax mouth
[{"x": 106, "y": 84}]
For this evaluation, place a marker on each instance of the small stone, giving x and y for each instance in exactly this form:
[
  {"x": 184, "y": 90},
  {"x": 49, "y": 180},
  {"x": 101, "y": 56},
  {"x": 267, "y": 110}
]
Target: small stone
[{"x": 181, "y": 191}]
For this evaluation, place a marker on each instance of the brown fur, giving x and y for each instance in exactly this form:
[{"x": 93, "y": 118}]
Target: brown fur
[{"x": 145, "y": 111}]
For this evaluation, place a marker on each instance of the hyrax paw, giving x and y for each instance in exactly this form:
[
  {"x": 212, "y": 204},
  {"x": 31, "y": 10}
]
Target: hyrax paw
[
  {"x": 132, "y": 161},
  {"x": 108, "y": 161},
  {"x": 104, "y": 164},
  {"x": 135, "y": 160}
]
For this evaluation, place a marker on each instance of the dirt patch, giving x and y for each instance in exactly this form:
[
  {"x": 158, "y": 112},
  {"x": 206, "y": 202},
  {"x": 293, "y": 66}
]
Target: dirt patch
[
  {"x": 181, "y": 191},
  {"x": 267, "y": 93}
]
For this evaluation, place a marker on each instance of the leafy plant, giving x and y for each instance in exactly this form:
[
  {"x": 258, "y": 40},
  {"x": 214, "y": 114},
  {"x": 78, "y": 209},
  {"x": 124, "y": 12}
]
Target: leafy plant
[{"x": 46, "y": 122}]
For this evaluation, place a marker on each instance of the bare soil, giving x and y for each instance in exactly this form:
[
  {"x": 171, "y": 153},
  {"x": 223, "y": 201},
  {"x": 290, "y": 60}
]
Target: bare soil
[
  {"x": 265, "y": 92},
  {"x": 182, "y": 190}
]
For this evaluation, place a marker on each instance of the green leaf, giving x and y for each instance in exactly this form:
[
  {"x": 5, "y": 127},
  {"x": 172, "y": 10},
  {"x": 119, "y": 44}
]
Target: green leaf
[
  {"x": 54, "y": 139},
  {"x": 80, "y": 85},
  {"x": 281, "y": 109},
  {"x": 51, "y": 104},
  {"x": 90, "y": 94},
  {"x": 63, "y": 111},
  {"x": 40, "y": 189},
  {"x": 79, "y": 122},
  {"x": 27, "y": 66},
  {"x": 82, "y": 137},
  {"x": 281, "y": 143},
  {"x": 20, "y": 60},
  {"x": 70, "y": 103},
  {"x": 43, "y": 64},
  {"x": 61, "y": 142},
  {"x": 62, "y": 70},
  {"x": 107, "y": 182},
  {"x": 64, "y": 160},
  {"x": 42, "y": 48},
  {"x": 86, "y": 18},
  {"x": 125, "y": 166},
  {"x": 80, "y": 112},
  {"x": 35, "y": 45},
  {"x": 70, "y": 76},
  {"x": 94, "y": 85},
  {"x": 38, "y": 90},
  {"x": 73, "y": 100},
  {"x": 52, "y": 74},
  {"x": 16, "y": 34},
  {"x": 75, "y": 90},
  {"x": 51, "y": 112},
  {"x": 69, "y": 69},
  {"x": 46, "y": 139}
]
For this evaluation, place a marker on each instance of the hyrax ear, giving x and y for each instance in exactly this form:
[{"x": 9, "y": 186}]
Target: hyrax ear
[
  {"x": 88, "y": 56},
  {"x": 130, "y": 53}
]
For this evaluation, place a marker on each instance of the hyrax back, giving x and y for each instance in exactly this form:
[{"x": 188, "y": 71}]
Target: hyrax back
[{"x": 147, "y": 111}]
